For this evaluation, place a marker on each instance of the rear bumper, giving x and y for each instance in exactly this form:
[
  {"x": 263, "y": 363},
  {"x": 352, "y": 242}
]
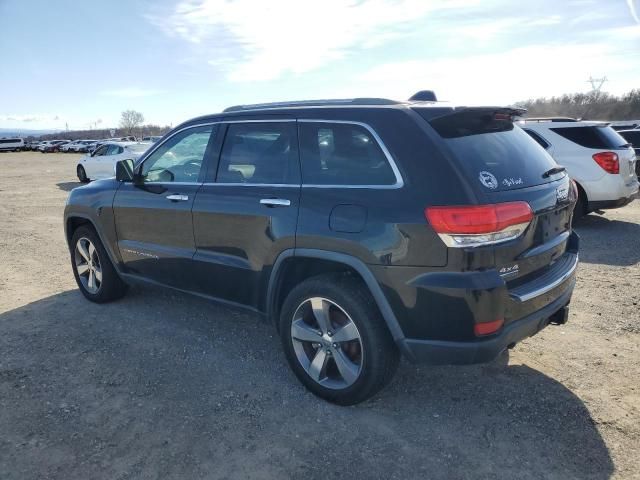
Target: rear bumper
[
  {"x": 438, "y": 310},
  {"x": 436, "y": 352},
  {"x": 608, "y": 204}
]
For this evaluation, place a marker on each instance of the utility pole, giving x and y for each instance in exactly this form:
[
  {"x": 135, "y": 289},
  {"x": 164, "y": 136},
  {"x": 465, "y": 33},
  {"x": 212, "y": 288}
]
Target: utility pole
[
  {"x": 596, "y": 84},
  {"x": 596, "y": 87}
]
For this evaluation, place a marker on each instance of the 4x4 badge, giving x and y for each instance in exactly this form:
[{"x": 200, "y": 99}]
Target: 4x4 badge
[
  {"x": 488, "y": 180},
  {"x": 562, "y": 193}
]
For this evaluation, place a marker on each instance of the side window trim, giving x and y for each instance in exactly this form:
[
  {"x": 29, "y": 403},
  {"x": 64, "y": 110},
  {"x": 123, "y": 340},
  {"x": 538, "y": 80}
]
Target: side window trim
[
  {"x": 205, "y": 160},
  {"x": 214, "y": 156},
  {"x": 394, "y": 167}
]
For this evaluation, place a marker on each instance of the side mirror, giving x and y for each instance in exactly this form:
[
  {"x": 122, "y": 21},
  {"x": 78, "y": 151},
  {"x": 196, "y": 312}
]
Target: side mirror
[{"x": 124, "y": 170}]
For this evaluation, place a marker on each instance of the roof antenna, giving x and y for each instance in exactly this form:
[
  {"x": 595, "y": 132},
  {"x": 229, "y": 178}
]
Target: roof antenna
[{"x": 424, "y": 96}]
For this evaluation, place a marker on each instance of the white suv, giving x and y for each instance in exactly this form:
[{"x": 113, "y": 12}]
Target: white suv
[{"x": 600, "y": 161}]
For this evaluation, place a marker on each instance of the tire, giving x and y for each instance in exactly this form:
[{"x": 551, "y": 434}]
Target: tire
[
  {"x": 82, "y": 175},
  {"x": 580, "y": 210},
  {"x": 370, "y": 360},
  {"x": 106, "y": 286}
]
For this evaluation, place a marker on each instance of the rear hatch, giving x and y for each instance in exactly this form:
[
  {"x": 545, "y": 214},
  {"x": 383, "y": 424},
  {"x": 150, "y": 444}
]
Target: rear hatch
[
  {"x": 504, "y": 164},
  {"x": 600, "y": 139}
]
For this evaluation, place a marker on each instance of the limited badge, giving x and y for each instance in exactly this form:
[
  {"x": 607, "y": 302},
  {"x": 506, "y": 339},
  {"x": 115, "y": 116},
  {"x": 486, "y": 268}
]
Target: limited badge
[{"x": 488, "y": 180}]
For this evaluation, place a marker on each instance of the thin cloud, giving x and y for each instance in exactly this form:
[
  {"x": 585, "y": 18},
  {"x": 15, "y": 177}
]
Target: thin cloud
[
  {"x": 270, "y": 39},
  {"x": 633, "y": 8},
  {"x": 131, "y": 92},
  {"x": 28, "y": 118},
  {"x": 509, "y": 76}
]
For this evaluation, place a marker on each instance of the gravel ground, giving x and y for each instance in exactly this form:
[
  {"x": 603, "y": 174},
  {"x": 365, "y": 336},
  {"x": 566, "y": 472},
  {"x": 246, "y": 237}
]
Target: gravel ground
[{"x": 165, "y": 385}]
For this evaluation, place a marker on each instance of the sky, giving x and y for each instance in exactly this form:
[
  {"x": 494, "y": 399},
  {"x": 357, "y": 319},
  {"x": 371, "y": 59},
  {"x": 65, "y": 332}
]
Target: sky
[{"x": 81, "y": 63}]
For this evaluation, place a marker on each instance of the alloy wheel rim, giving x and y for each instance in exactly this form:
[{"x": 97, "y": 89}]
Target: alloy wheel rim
[
  {"x": 87, "y": 264},
  {"x": 327, "y": 343}
]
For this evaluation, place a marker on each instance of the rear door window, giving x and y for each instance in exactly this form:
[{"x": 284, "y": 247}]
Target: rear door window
[
  {"x": 102, "y": 150},
  {"x": 342, "y": 154},
  {"x": 496, "y": 154},
  {"x": 594, "y": 137},
  {"x": 263, "y": 153}
]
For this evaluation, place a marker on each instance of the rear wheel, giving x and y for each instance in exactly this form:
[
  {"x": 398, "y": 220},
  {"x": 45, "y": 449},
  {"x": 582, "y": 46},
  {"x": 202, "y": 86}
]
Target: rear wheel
[
  {"x": 580, "y": 210},
  {"x": 82, "y": 175},
  {"x": 94, "y": 273},
  {"x": 335, "y": 339}
]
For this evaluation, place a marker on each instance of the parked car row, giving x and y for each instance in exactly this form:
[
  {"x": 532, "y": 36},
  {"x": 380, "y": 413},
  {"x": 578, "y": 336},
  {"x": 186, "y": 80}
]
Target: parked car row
[{"x": 70, "y": 146}]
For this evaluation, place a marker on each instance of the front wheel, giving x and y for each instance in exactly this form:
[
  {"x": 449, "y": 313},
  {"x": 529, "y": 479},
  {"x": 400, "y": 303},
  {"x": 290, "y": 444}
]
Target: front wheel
[
  {"x": 335, "y": 339},
  {"x": 94, "y": 273}
]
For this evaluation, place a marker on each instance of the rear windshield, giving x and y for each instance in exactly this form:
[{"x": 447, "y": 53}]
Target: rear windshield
[
  {"x": 496, "y": 154},
  {"x": 595, "y": 137}
]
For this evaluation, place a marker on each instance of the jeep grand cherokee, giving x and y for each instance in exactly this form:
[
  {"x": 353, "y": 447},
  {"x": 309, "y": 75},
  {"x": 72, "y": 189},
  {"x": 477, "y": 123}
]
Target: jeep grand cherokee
[{"x": 364, "y": 229}]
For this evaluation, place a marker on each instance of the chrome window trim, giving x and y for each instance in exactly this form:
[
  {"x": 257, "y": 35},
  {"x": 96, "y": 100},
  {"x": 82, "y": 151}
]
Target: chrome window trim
[
  {"x": 394, "y": 167},
  {"x": 253, "y": 120},
  {"x": 239, "y": 184},
  {"x": 396, "y": 171},
  {"x": 172, "y": 183}
]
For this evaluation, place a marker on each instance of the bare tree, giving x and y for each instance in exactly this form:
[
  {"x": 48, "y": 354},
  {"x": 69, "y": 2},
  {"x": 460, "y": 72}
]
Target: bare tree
[{"x": 130, "y": 119}]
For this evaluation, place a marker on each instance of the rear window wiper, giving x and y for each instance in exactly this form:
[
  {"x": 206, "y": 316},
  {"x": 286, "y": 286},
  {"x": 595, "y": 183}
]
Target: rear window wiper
[{"x": 553, "y": 171}]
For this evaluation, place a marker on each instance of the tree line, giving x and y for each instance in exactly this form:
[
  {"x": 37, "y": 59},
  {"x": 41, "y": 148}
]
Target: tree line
[
  {"x": 587, "y": 106},
  {"x": 131, "y": 123}
]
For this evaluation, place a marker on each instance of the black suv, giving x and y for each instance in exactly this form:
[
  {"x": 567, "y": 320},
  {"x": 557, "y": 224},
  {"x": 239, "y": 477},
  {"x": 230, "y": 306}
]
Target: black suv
[{"x": 364, "y": 229}]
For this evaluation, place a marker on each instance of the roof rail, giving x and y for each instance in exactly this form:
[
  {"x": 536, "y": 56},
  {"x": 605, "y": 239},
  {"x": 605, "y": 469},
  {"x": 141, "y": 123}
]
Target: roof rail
[
  {"x": 550, "y": 119},
  {"x": 312, "y": 103}
]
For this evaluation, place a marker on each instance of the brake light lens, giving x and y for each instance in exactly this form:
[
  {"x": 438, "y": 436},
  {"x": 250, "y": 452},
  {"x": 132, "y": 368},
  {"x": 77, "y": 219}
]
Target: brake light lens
[
  {"x": 608, "y": 161},
  {"x": 478, "y": 225},
  {"x": 487, "y": 328},
  {"x": 574, "y": 191}
]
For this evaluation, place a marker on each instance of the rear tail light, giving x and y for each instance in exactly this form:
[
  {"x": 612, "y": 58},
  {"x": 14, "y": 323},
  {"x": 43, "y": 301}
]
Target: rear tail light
[
  {"x": 478, "y": 225},
  {"x": 608, "y": 161},
  {"x": 574, "y": 191},
  {"x": 487, "y": 328}
]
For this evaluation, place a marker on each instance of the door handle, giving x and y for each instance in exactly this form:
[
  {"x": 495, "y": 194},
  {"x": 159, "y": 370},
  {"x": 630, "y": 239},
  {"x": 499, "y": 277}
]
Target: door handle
[
  {"x": 175, "y": 197},
  {"x": 275, "y": 202}
]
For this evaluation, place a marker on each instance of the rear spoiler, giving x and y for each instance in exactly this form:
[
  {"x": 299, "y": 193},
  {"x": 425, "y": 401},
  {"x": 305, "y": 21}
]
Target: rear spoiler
[
  {"x": 432, "y": 113},
  {"x": 466, "y": 121}
]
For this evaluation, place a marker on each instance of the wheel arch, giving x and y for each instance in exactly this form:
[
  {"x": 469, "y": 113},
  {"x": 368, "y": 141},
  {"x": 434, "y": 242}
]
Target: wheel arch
[
  {"x": 73, "y": 221},
  {"x": 315, "y": 262},
  {"x": 583, "y": 193}
]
